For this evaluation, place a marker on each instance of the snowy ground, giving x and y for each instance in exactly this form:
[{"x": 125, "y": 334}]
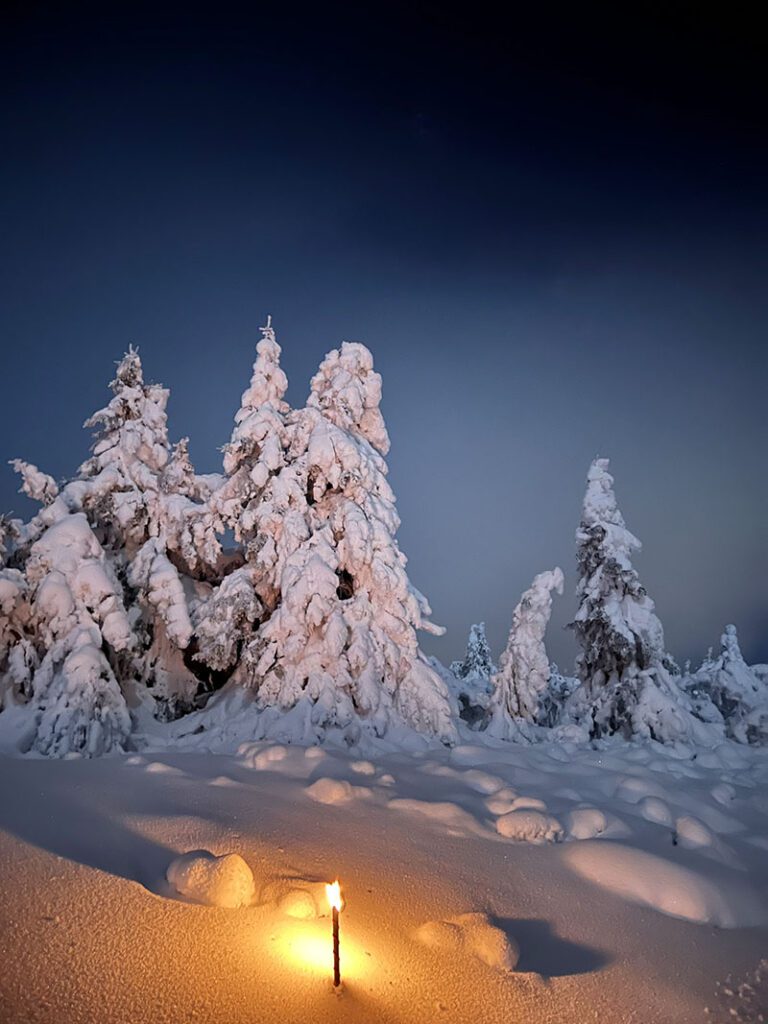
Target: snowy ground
[{"x": 620, "y": 885}]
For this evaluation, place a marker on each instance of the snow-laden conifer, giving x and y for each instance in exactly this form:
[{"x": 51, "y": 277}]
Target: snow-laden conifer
[
  {"x": 340, "y": 649},
  {"x": 129, "y": 454},
  {"x": 472, "y": 676},
  {"x": 256, "y": 449},
  {"x": 521, "y": 685},
  {"x": 623, "y": 666},
  {"x": 477, "y": 662},
  {"x": 736, "y": 692},
  {"x": 79, "y": 622},
  {"x": 249, "y": 501},
  {"x": 154, "y": 510}
]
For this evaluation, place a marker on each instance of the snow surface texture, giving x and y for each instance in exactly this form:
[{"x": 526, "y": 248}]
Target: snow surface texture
[{"x": 190, "y": 886}]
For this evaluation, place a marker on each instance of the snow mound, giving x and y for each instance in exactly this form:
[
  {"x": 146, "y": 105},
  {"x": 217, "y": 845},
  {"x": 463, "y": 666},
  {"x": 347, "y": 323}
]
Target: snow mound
[
  {"x": 473, "y": 934},
  {"x": 482, "y": 782},
  {"x": 224, "y": 881},
  {"x": 586, "y": 823},
  {"x": 529, "y": 826},
  {"x": 692, "y": 833},
  {"x": 255, "y": 755},
  {"x": 502, "y": 802},
  {"x": 301, "y": 903},
  {"x": 672, "y": 889},
  {"x": 335, "y": 791},
  {"x": 656, "y": 810},
  {"x": 158, "y": 768},
  {"x": 724, "y": 793}
]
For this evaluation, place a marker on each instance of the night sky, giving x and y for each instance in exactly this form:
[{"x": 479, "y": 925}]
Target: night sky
[{"x": 550, "y": 229}]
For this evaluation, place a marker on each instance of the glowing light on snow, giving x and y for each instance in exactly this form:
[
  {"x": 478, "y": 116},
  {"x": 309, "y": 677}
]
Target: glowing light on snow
[{"x": 304, "y": 945}]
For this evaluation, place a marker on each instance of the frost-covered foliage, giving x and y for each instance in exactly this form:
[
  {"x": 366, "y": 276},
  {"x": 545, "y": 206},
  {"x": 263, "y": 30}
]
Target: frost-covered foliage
[
  {"x": 472, "y": 677},
  {"x": 117, "y": 593},
  {"x": 521, "y": 685},
  {"x": 627, "y": 681},
  {"x": 725, "y": 689}
]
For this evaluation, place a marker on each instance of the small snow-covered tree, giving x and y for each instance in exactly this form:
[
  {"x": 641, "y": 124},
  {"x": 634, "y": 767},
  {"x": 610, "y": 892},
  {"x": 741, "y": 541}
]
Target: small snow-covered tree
[
  {"x": 477, "y": 663},
  {"x": 737, "y": 693},
  {"x": 340, "y": 649},
  {"x": 623, "y": 666},
  {"x": 80, "y": 620},
  {"x": 472, "y": 676},
  {"x": 521, "y": 684}
]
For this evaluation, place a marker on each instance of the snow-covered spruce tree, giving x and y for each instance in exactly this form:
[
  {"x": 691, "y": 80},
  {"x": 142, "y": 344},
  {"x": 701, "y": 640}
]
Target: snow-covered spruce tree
[
  {"x": 78, "y": 622},
  {"x": 340, "y": 653},
  {"x": 625, "y": 672},
  {"x": 247, "y": 501},
  {"x": 146, "y": 502},
  {"x": 521, "y": 685},
  {"x": 473, "y": 675},
  {"x": 477, "y": 662},
  {"x": 735, "y": 692}
]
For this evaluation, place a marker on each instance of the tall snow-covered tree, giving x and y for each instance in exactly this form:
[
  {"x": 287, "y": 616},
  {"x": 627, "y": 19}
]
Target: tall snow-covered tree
[
  {"x": 340, "y": 651},
  {"x": 155, "y": 519},
  {"x": 521, "y": 685},
  {"x": 473, "y": 676},
  {"x": 248, "y": 501},
  {"x": 623, "y": 666}
]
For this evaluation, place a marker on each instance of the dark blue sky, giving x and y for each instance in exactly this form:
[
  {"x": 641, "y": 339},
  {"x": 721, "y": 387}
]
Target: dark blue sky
[{"x": 550, "y": 231}]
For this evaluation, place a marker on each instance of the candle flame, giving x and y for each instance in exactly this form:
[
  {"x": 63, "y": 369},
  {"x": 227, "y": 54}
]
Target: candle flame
[{"x": 333, "y": 892}]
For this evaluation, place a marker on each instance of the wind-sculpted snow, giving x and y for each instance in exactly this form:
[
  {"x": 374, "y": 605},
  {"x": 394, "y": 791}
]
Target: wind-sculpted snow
[
  {"x": 522, "y": 681},
  {"x": 474, "y": 934},
  {"x": 673, "y": 889}
]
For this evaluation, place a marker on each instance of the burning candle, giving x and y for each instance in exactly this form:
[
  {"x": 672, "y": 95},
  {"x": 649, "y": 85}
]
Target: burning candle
[{"x": 333, "y": 892}]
